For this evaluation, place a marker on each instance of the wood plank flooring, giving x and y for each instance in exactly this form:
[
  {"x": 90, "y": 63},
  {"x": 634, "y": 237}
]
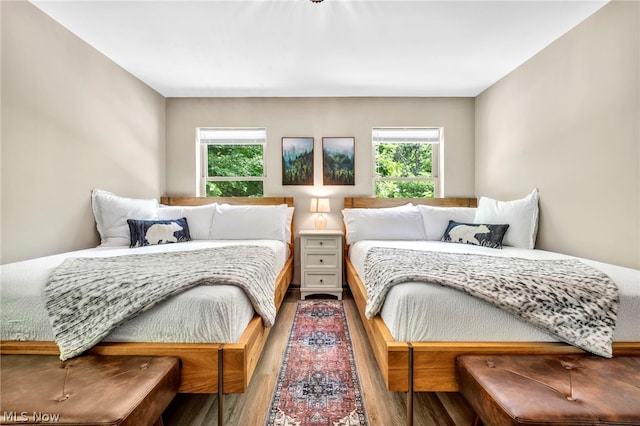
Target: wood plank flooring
[{"x": 383, "y": 408}]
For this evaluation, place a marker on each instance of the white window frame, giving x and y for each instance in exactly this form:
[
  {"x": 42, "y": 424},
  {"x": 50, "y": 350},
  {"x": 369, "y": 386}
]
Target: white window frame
[
  {"x": 430, "y": 135},
  {"x": 206, "y": 136}
]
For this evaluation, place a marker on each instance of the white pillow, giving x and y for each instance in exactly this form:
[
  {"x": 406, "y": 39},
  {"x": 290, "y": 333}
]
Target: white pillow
[
  {"x": 111, "y": 213},
  {"x": 199, "y": 218},
  {"x": 521, "y": 216},
  {"x": 289, "y": 220},
  {"x": 395, "y": 223},
  {"x": 436, "y": 219},
  {"x": 248, "y": 222}
]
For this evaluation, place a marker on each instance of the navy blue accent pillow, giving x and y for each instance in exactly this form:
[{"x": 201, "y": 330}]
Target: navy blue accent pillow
[
  {"x": 475, "y": 233},
  {"x": 151, "y": 232}
]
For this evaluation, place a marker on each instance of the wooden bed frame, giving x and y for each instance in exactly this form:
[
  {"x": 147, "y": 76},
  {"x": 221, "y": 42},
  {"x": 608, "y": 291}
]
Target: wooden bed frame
[
  {"x": 430, "y": 366},
  {"x": 200, "y": 367}
]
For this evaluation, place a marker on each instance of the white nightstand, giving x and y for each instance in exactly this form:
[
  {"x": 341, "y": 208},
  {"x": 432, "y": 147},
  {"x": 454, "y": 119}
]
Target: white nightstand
[{"x": 321, "y": 262}]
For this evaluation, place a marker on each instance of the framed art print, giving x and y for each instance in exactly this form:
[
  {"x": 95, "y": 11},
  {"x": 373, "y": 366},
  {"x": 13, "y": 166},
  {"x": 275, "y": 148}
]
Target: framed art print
[
  {"x": 297, "y": 161},
  {"x": 338, "y": 161}
]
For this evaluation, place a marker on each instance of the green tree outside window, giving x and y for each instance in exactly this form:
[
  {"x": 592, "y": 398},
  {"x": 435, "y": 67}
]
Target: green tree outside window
[
  {"x": 405, "y": 169},
  {"x": 232, "y": 161}
]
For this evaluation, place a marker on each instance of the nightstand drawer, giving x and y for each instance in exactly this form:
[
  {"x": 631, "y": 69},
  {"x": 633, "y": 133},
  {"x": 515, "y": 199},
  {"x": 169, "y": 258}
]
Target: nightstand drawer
[
  {"x": 321, "y": 260},
  {"x": 313, "y": 279},
  {"x": 321, "y": 242}
]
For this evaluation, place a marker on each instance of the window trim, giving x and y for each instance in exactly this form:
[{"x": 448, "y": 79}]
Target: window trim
[
  {"x": 202, "y": 157},
  {"x": 436, "y": 158}
]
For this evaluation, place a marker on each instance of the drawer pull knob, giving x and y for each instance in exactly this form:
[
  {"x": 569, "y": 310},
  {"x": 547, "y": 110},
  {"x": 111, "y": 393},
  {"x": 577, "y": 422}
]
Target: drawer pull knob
[
  {"x": 321, "y": 260},
  {"x": 321, "y": 243},
  {"x": 321, "y": 280}
]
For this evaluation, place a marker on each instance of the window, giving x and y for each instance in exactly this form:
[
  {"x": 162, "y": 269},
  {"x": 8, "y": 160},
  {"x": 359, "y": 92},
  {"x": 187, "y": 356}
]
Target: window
[
  {"x": 406, "y": 162},
  {"x": 231, "y": 162}
]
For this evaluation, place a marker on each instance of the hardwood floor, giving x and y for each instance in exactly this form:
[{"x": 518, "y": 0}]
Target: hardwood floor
[{"x": 383, "y": 408}]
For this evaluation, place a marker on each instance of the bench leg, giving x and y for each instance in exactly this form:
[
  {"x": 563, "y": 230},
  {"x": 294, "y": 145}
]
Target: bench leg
[
  {"x": 220, "y": 387},
  {"x": 410, "y": 388},
  {"x": 477, "y": 421}
]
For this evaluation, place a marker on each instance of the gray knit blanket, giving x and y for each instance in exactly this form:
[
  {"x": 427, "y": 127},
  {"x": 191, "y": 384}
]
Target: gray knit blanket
[
  {"x": 573, "y": 301},
  {"x": 86, "y": 298}
]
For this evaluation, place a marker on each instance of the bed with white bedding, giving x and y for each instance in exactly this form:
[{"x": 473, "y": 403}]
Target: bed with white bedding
[
  {"x": 218, "y": 314},
  {"x": 198, "y": 324},
  {"x": 440, "y": 322},
  {"x": 405, "y": 303}
]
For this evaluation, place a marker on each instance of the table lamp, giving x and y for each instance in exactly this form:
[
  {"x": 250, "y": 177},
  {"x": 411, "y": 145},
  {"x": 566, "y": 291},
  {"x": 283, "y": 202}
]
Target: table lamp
[{"x": 320, "y": 205}]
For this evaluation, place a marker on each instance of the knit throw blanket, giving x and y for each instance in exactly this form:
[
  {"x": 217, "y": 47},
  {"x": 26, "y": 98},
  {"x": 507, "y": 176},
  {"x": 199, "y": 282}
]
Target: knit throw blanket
[
  {"x": 568, "y": 298},
  {"x": 86, "y": 298}
]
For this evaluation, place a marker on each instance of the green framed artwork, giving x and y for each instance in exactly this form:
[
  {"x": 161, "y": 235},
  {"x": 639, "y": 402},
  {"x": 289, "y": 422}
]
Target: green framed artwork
[
  {"x": 297, "y": 160},
  {"x": 338, "y": 166}
]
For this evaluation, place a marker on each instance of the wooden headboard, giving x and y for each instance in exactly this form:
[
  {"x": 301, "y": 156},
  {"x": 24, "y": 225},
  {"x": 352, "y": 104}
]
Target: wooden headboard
[
  {"x": 256, "y": 201},
  {"x": 201, "y": 201},
  {"x": 370, "y": 202}
]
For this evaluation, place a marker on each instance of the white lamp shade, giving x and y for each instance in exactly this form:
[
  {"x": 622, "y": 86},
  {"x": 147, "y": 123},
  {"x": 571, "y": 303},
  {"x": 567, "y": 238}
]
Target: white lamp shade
[
  {"x": 323, "y": 205},
  {"x": 313, "y": 206}
]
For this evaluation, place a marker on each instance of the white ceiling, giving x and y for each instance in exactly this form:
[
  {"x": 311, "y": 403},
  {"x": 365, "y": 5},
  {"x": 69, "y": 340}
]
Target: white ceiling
[{"x": 335, "y": 48}]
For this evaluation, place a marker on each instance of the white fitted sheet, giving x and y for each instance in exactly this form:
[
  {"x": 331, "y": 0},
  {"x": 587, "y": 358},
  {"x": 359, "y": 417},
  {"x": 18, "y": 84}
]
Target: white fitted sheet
[
  {"x": 203, "y": 314},
  {"x": 422, "y": 312}
]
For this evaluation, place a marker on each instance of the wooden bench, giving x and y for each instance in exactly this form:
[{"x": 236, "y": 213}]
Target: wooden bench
[
  {"x": 86, "y": 390},
  {"x": 551, "y": 389}
]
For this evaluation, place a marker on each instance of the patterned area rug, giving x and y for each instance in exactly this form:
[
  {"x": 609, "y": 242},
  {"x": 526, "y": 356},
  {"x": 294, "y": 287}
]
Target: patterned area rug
[{"x": 318, "y": 382}]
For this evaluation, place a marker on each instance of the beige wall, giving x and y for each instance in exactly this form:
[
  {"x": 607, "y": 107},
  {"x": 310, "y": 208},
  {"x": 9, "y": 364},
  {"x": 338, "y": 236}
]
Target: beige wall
[
  {"x": 567, "y": 122},
  {"x": 318, "y": 117},
  {"x": 72, "y": 120}
]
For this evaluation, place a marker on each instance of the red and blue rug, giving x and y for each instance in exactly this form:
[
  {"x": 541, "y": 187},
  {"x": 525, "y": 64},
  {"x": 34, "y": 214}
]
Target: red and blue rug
[{"x": 318, "y": 382}]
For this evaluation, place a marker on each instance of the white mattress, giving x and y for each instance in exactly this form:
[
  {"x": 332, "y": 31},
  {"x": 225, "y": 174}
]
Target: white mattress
[
  {"x": 202, "y": 314},
  {"x": 422, "y": 312}
]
